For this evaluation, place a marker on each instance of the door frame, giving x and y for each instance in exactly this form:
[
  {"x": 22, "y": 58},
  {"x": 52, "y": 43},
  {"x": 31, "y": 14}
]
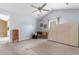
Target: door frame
[{"x": 53, "y": 20}]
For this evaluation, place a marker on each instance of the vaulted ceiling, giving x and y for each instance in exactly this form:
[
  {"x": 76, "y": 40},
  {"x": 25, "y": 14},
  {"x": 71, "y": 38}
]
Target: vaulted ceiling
[{"x": 26, "y": 9}]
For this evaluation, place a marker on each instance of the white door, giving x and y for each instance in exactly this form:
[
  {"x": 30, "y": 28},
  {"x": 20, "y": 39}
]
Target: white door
[{"x": 51, "y": 23}]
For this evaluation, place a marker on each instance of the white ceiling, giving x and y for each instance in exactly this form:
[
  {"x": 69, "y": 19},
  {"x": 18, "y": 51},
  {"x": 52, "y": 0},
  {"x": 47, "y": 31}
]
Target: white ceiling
[
  {"x": 63, "y": 6},
  {"x": 25, "y": 8}
]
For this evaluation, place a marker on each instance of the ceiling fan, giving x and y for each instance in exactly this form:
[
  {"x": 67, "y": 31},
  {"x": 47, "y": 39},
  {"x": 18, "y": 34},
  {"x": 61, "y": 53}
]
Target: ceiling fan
[{"x": 40, "y": 9}]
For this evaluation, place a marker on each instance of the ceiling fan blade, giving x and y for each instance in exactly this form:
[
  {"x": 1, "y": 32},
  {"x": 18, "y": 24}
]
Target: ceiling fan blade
[
  {"x": 45, "y": 9},
  {"x": 43, "y": 5},
  {"x": 34, "y": 6},
  {"x": 34, "y": 11}
]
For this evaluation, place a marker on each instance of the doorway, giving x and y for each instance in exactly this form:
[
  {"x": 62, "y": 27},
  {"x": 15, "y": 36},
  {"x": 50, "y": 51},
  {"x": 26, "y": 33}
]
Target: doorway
[
  {"x": 3, "y": 28},
  {"x": 4, "y": 31}
]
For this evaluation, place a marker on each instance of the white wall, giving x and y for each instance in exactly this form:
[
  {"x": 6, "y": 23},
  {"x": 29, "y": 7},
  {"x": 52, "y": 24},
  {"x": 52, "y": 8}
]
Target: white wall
[
  {"x": 65, "y": 15},
  {"x": 25, "y": 23}
]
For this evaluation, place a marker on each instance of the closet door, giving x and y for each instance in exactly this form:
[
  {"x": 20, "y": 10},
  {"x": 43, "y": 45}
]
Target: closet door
[
  {"x": 50, "y": 35},
  {"x": 66, "y": 33}
]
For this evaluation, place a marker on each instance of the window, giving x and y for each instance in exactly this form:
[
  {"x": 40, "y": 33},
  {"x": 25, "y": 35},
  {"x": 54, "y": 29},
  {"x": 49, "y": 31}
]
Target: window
[{"x": 4, "y": 17}]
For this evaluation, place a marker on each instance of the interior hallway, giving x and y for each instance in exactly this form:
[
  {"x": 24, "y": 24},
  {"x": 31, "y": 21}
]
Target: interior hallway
[{"x": 37, "y": 47}]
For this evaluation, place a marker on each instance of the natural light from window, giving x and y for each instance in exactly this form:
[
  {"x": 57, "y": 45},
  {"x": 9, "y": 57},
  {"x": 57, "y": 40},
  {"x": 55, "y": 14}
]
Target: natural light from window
[{"x": 4, "y": 17}]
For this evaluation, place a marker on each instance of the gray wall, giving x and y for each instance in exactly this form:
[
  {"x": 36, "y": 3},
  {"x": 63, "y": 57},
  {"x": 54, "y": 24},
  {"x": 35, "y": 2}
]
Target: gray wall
[{"x": 64, "y": 15}]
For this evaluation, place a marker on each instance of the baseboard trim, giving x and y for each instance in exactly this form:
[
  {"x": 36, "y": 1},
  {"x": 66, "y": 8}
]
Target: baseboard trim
[{"x": 64, "y": 44}]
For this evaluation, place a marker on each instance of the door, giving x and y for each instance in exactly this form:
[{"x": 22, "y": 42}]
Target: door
[
  {"x": 51, "y": 23},
  {"x": 15, "y": 35},
  {"x": 3, "y": 28}
]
